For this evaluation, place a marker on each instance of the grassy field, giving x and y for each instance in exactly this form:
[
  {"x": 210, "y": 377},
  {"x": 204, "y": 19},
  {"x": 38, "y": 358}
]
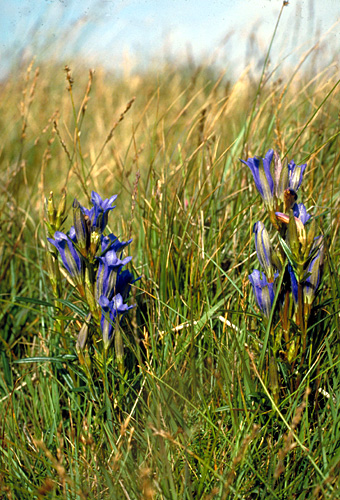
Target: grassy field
[{"x": 193, "y": 413}]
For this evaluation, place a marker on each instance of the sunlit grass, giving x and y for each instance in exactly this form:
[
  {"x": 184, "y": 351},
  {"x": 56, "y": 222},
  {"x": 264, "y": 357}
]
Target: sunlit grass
[{"x": 192, "y": 417}]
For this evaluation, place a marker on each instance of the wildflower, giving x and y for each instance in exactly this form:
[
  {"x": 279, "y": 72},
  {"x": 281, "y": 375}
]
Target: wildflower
[
  {"x": 295, "y": 174},
  {"x": 264, "y": 249},
  {"x": 112, "y": 242},
  {"x": 124, "y": 282},
  {"x": 260, "y": 168},
  {"x": 272, "y": 182},
  {"x": 69, "y": 255},
  {"x": 109, "y": 265},
  {"x": 299, "y": 211},
  {"x": 81, "y": 229},
  {"x": 98, "y": 214},
  {"x": 110, "y": 311},
  {"x": 264, "y": 291}
]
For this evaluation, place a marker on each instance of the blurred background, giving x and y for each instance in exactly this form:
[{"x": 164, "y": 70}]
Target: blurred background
[{"x": 131, "y": 34}]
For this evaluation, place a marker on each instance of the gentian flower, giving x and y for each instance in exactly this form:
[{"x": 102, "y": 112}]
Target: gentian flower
[
  {"x": 260, "y": 168},
  {"x": 69, "y": 255},
  {"x": 112, "y": 242},
  {"x": 98, "y": 214},
  {"x": 295, "y": 174},
  {"x": 299, "y": 211},
  {"x": 273, "y": 181},
  {"x": 110, "y": 311},
  {"x": 81, "y": 228},
  {"x": 109, "y": 265},
  {"x": 263, "y": 290},
  {"x": 264, "y": 249},
  {"x": 124, "y": 282}
]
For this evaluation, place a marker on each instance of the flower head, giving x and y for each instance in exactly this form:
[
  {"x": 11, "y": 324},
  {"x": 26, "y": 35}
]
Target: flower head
[
  {"x": 81, "y": 228},
  {"x": 98, "y": 214},
  {"x": 299, "y": 211},
  {"x": 69, "y": 255},
  {"x": 260, "y": 168},
  {"x": 295, "y": 174},
  {"x": 110, "y": 311},
  {"x": 264, "y": 249},
  {"x": 263, "y": 290},
  {"x": 112, "y": 242},
  {"x": 124, "y": 282},
  {"x": 109, "y": 265},
  {"x": 274, "y": 182}
]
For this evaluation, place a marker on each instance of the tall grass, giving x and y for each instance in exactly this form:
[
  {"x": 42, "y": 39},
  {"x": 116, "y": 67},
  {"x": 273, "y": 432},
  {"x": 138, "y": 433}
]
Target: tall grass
[{"x": 192, "y": 415}]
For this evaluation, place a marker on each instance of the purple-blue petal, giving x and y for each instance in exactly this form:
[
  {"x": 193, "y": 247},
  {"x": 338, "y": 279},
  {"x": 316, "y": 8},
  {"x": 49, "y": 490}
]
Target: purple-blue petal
[
  {"x": 261, "y": 170},
  {"x": 69, "y": 255},
  {"x": 299, "y": 210},
  {"x": 295, "y": 173},
  {"x": 264, "y": 292}
]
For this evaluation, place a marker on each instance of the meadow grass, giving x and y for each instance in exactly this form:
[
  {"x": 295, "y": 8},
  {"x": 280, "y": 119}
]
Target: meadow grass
[{"x": 192, "y": 415}]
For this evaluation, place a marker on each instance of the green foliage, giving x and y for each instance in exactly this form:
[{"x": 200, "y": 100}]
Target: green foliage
[{"x": 192, "y": 415}]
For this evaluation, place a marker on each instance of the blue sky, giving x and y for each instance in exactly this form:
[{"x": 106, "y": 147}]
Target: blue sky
[{"x": 107, "y": 31}]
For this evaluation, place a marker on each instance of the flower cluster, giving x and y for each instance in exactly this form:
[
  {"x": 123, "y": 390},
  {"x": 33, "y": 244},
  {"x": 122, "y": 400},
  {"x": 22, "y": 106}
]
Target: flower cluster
[
  {"x": 94, "y": 264},
  {"x": 299, "y": 253},
  {"x": 277, "y": 183}
]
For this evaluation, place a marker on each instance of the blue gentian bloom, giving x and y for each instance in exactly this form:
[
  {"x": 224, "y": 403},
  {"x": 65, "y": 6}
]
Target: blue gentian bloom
[
  {"x": 112, "y": 242},
  {"x": 263, "y": 290},
  {"x": 260, "y": 168},
  {"x": 81, "y": 228},
  {"x": 124, "y": 282},
  {"x": 272, "y": 181},
  {"x": 299, "y": 210},
  {"x": 295, "y": 174},
  {"x": 264, "y": 249},
  {"x": 110, "y": 311},
  {"x": 98, "y": 214},
  {"x": 109, "y": 265},
  {"x": 69, "y": 255}
]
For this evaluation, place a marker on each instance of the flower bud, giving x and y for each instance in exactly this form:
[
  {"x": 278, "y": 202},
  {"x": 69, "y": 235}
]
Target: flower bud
[
  {"x": 81, "y": 228},
  {"x": 264, "y": 249},
  {"x": 263, "y": 290}
]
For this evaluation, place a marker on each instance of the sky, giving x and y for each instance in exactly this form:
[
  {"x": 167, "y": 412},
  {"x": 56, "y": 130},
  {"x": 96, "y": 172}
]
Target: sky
[{"x": 112, "y": 32}]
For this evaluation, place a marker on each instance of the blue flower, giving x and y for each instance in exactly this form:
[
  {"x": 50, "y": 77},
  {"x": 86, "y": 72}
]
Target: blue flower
[
  {"x": 264, "y": 249},
  {"x": 299, "y": 210},
  {"x": 98, "y": 214},
  {"x": 110, "y": 311},
  {"x": 263, "y": 290},
  {"x": 295, "y": 174},
  {"x": 112, "y": 242},
  {"x": 124, "y": 282},
  {"x": 260, "y": 168},
  {"x": 81, "y": 228},
  {"x": 109, "y": 265},
  {"x": 273, "y": 181},
  {"x": 69, "y": 255}
]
